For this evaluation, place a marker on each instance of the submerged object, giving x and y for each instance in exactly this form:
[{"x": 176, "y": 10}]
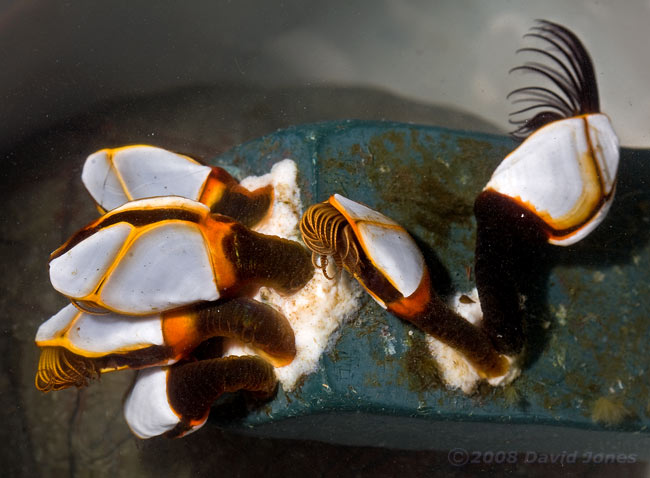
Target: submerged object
[
  {"x": 77, "y": 346},
  {"x": 116, "y": 176},
  {"x": 378, "y": 385},
  {"x": 162, "y": 253},
  {"x": 555, "y": 188},
  {"x": 383, "y": 257}
]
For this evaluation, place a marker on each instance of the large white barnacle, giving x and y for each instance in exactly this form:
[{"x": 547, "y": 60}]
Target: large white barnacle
[
  {"x": 555, "y": 188},
  {"x": 565, "y": 170},
  {"x": 157, "y": 254},
  {"x": 114, "y": 176}
]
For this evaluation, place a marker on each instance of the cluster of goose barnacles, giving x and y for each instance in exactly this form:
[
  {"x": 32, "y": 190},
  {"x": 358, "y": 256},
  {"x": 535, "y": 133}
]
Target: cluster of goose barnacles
[{"x": 174, "y": 260}]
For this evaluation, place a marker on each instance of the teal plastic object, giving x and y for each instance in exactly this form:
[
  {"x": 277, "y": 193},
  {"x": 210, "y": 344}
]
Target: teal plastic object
[{"x": 588, "y": 310}]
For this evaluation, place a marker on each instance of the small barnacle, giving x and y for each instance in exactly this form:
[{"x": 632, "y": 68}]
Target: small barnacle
[
  {"x": 511, "y": 395},
  {"x": 115, "y": 176},
  {"x": 609, "y": 411},
  {"x": 383, "y": 257}
]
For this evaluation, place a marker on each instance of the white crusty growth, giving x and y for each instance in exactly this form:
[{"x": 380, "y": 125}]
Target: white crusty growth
[
  {"x": 455, "y": 370},
  {"x": 317, "y": 310}
]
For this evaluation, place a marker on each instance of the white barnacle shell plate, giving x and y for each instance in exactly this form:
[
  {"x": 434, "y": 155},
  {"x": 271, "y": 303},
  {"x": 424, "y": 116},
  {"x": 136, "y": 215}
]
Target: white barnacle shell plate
[
  {"x": 116, "y": 176},
  {"x": 97, "y": 335},
  {"x": 387, "y": 244},
  {"x": 139, "y": 270},
  {"x": 565, "y": 173},
  {"x": 146, "y": 409},
  {"x": 162, "y": 268},
  {"x": 77, "y": 272}
]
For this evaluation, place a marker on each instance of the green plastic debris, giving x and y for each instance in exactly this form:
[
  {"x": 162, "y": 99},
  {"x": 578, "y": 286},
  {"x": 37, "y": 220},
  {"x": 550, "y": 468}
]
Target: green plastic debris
[{"x": 586, "y": 380}]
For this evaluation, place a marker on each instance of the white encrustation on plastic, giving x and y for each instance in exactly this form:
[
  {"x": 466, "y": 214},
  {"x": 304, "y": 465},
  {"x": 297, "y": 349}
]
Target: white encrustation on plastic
[{"x": 320, "y": 308}]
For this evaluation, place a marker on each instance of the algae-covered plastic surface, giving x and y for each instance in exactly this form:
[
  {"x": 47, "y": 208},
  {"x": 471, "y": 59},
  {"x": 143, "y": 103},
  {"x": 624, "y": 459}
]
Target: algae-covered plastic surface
[{"x": 587, "y": 306}]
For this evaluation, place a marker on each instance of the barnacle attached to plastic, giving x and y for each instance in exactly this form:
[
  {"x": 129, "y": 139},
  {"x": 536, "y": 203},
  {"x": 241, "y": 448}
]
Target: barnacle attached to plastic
[
  {"x": 174, "y": 401},
  {"x": 383, "y": 257},
  {"x": 77, "y": 346},
  {"x": 555, "y": 188},
  {"x": 158, "y": 254},
  {"x": 116, "y": 176}
]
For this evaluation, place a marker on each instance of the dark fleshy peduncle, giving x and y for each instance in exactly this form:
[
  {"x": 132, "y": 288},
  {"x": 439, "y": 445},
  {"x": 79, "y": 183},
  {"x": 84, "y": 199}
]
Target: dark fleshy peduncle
[
  {"x": 439, "y": 321},
  {"x": 192, "y": 387},
  {"x": 262, "y": 260},
  {"x": 503, "y": 258},
  {"x": 251, "y": 322},
  {"x": 247, "y": 207}
]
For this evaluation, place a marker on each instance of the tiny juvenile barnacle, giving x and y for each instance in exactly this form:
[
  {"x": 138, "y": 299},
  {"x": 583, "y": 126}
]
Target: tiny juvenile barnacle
[
  {"x": 555, "y": 188},
  {"x": 609, "y": 411},
  {"x": 77, "y": 346},
  {"x": 115, "y": 176},
  {"x": 157, "y": 254},
  {"x": 383, "y": 257}
]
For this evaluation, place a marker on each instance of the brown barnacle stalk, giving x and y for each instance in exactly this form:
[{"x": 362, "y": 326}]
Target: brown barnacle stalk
[
  {"x": 271, "y": 261},
  {"x": 251, "y": 322},
  {"x": 192, "y": 387},
  {"x": 59, "y": 368}
]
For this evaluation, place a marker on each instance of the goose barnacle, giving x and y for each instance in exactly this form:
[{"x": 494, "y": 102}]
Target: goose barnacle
[
  {"x": 383, "y": 257},
  {"x": 77, "y": 346},
  {"x": 555, "y": 188},
  {"x": 115, "y": 176},
  {"x": 157, "y": 254},
  {"x": 174, "y": 401}
]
